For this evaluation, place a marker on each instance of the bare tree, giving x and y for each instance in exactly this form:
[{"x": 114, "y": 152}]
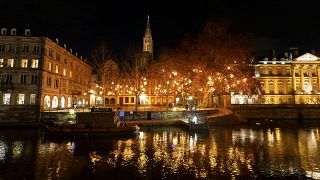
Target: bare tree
[
  {"x": 163, "y": 76},
  {"x": 217, "y": 61},
  {"x": 135, "y": 73},
  {"x": 98, "y": 56}
]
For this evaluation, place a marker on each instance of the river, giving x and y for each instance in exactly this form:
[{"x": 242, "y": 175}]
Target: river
[{"x": 164, "y": 153}]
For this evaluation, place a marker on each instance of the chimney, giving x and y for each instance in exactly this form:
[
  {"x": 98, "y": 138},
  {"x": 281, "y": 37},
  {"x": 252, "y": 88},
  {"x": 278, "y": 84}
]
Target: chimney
[
  {"x": 81, "y": 57},
  {"x": 65, "y": 46},
  {"x": 13, "y": 31},
  {"x": 27, "y": 32},
  {"x": 76, "y": 54},
  {"x": 4, "y": 31},
  {"x": 70, "y": 50},
  {"x": 296, "y": 53},
  {"x": 57, "y": 40},
  {"x": 273, "y": 53}
]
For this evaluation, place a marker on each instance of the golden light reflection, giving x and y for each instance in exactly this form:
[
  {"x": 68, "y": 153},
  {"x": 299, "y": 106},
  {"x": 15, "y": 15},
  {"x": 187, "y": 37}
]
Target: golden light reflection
[
  {"x": 233, "y": 152},
  {"x": 270, "y": 135},
  {"x": 94, "y": 157},
  {"x": 17, "y": 148},
  {"x": 3, "y": 150},
  {"x": 128, "y": 153},
  {"x": 143, "y": 158},
  {"x": 213, "y": 153}
]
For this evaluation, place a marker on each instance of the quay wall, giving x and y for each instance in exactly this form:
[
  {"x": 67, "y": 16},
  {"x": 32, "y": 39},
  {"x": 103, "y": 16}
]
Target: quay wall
[
  {"x": 19, "y": 114},
  {"x": 279, "y": 114}
]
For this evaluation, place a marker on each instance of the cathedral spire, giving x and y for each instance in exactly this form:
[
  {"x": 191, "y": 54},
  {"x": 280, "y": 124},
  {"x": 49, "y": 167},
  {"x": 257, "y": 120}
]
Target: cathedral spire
[
  {"x": 148, "y": 29},
  {"x": 147, "y": 39}
]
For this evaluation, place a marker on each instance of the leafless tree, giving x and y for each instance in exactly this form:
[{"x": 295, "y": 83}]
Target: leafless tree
[
  {"x": 135, "y": 73},
  {"x": 98, "y": 56}
]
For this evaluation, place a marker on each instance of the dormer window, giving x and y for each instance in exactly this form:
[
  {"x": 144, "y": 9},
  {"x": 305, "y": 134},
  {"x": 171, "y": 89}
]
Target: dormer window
[
  {"x": 3, "y": 31},
  {"x": 27, "y": 32},
  {"x": 13, "y": 32}
]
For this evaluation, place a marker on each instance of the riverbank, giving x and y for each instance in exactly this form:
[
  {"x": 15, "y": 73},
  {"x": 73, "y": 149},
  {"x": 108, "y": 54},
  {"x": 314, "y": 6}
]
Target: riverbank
[{"x": 252, "y": 115}]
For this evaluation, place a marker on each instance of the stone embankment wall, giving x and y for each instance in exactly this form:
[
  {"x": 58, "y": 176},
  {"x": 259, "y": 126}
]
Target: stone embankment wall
[
  {"x": 279, "y": 114},
  {"x": 19, "y": 114},
  {"x": 57, "y": 116},
  {"x": 143, "y": 115}
]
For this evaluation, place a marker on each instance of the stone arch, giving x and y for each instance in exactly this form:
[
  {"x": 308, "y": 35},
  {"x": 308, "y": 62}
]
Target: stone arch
[
  {"x": 55, "y": 102},
  {"x": 46, "y": 102},
  {"x": 63, "y": 102}
]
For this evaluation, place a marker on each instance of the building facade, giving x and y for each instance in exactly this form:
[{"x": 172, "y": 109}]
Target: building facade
[
  {"x": 38, "y": 71},
  {"x": 289, "y": 80}
]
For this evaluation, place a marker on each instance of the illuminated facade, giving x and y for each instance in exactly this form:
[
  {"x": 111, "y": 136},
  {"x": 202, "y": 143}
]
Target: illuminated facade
[
  {"x": 289, "y": 81},
  {"x": 38, "y": 71}
]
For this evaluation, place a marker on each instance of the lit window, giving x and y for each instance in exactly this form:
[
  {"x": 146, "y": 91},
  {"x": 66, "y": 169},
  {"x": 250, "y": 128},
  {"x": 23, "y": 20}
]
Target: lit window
[
  {"x": 69, "y": 102},
  {"x": 32, "y": 98},
  {"x": 35, "y": 63},
  {"x": 1, "y": 62},
  {"x": 70, "y": 74},
  {"x": 50, "y": 66},
  {"x": 6, "y": 98},
  {"x": 55, "y": 102},
  {"x": 10, "y": 62},
  {"x": 64, "y": 72},
  {"x": 63, "y": 101},
  {"x": 24, "y": 63},
  {"x": 57, "y": 69},
  {"x": 47, "y": 101},
  {"x": 21, "y": 98}
]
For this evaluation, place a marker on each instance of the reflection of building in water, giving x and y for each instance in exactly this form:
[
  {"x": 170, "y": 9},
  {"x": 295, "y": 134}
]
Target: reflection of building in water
[
  {"x": 286, "y": 80},
  {"x": 227, "y": 152},
  {"x": 308, "y": 144}
]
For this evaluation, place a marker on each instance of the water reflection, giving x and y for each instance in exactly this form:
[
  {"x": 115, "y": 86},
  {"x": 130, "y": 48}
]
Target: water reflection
[
  {"x": 172, "y": 152},
  {"x": 3, "y": 150}
]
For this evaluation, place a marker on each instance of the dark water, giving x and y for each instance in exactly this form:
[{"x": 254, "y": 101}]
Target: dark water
[{"x": 164, "y": 153}]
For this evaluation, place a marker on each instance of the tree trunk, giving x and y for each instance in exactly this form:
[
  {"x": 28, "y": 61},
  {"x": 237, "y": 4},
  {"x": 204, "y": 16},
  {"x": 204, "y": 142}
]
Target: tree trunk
[
  {"x": 136, "y": 104},
  {"x": 205, "y": 102},
  {"x": 167, "y": 103}
]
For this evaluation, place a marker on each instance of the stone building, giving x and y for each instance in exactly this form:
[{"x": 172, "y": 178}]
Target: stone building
[
  {"x": 38, "y": 71},
  {"x": 289, "y": 80}
]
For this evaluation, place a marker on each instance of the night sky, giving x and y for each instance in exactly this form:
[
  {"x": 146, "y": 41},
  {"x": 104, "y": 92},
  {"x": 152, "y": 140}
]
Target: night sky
[{"x": 275, "y": 24}]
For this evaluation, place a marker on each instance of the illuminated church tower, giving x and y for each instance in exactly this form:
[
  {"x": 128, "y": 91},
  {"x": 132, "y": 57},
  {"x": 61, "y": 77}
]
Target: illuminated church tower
[{"x": 147, "y": 40}]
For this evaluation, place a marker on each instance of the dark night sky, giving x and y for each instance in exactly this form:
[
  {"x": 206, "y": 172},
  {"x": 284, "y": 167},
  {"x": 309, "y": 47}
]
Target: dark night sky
[{"x": 275, "y": 24}]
